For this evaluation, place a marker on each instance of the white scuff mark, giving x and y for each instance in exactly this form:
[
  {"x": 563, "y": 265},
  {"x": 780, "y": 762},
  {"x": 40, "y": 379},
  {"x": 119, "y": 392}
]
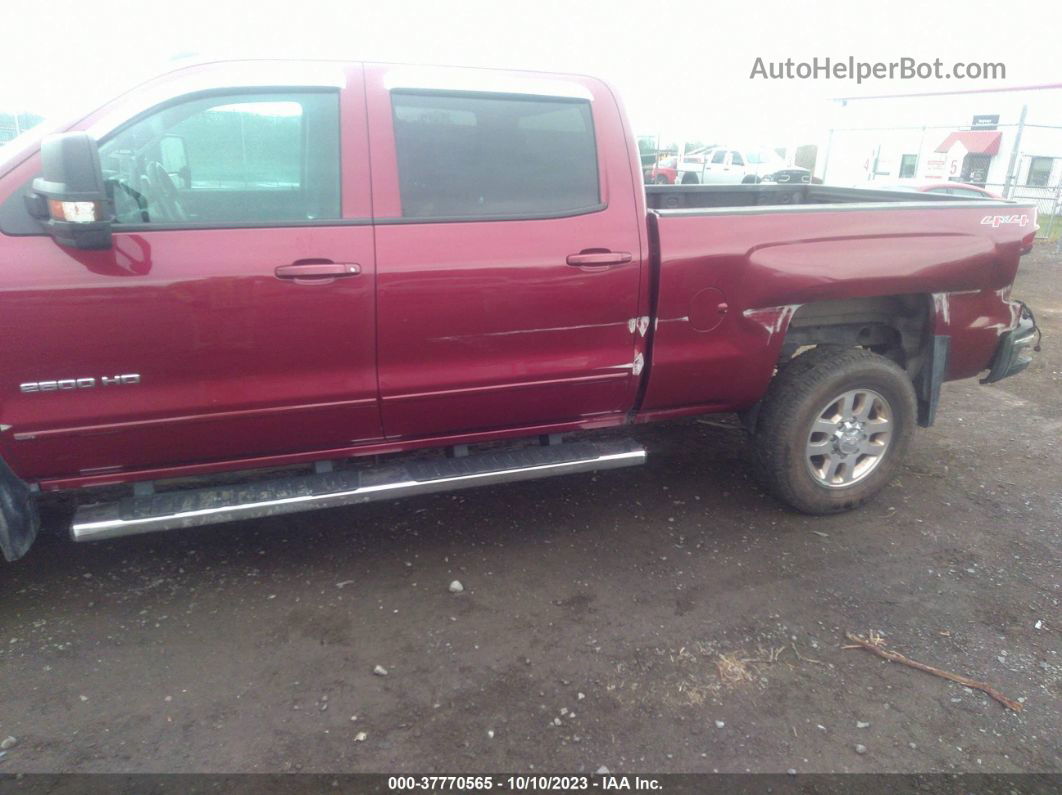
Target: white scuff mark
[
  {"x": 4, "y": 427},
  {"x": 632, "y": 324},
  {"x": 514, "y": 332},
  {"x": 639, "y": 363},
  {"x": 773, "y": 318},
  {"x": 1000, "y": 328},
  {"x": 785, "y": 316},
  {"x": 643, "y": 325},
  {"x": 942, "y": 307},
  {"x": 1015, "y": 314}
]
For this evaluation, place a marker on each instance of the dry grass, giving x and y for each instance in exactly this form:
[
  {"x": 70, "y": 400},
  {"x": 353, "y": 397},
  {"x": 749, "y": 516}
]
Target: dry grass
[
  {"x": 733, "y": 670},
  {"x": 696, "y": 682}
]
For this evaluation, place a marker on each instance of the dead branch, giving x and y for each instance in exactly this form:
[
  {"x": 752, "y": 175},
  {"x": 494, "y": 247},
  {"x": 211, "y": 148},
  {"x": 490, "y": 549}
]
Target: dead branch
[{"x": 875, "y": 645}]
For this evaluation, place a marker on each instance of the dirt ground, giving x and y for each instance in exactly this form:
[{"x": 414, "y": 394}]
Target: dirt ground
[{"x": 663, "y": 618}]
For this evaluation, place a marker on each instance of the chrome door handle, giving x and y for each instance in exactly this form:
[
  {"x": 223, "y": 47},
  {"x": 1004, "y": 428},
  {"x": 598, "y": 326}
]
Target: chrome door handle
[
  {"x": 599, "y": 258},
  {"x": 317, "y": 270}
]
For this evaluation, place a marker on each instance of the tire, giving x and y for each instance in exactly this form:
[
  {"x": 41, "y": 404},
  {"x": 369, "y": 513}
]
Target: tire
[
  {"x": 798, "y": 364},
  {"x": 689, "y": 178},
  {"x": 833, "y": 428},
  {"x": 661, "y": 179}
]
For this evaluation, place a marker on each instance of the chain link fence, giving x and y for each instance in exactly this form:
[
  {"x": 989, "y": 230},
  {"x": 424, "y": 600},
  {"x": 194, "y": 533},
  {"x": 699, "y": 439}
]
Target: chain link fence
[
  {"x": 1018, "y": 159},
  {"x": 1048, "y": 200}
]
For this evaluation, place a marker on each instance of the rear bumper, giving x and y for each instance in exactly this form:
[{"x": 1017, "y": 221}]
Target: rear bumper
[{"x": 1016, "y": 348}]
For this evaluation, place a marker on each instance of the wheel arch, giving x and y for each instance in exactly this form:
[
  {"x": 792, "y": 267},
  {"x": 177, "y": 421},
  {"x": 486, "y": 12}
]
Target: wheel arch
[{"x": 900, "y": 327}]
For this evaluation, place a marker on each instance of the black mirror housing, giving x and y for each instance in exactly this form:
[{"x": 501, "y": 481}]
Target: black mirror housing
[{"x": 70, "y": 195}]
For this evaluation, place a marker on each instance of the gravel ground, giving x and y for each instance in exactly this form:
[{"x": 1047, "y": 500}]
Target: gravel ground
[{"x": 664, "y": 618}]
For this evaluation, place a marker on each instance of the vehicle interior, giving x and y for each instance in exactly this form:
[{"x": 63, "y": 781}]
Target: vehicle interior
[{"x": 248, "y": 158}]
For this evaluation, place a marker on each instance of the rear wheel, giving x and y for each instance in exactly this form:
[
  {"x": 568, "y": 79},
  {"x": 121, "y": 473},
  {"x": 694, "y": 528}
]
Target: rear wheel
[{"x": 833, "y": 429}]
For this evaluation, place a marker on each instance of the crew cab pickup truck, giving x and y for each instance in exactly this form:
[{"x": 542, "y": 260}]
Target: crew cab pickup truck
[{"x": 248, "y": 288}]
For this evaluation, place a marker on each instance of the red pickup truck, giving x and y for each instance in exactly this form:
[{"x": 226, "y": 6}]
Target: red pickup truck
[{"x": 377, "y": 280}]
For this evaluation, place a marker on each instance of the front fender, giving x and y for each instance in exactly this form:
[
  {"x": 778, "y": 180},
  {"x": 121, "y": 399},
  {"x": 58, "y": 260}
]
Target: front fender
[{"x": 19, "y": 517}]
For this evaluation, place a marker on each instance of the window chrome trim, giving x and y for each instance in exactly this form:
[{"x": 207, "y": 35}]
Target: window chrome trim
[{"x": 192, "y": 226}]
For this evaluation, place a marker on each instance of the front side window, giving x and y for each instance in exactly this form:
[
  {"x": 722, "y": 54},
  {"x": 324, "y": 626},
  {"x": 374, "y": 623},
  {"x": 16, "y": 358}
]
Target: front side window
[
  {"x": 474, "y": 155},
  {"x": 736, "y": 159},
  {"x": 908, "y": 164},
  {"x": 240, "y": 159}
]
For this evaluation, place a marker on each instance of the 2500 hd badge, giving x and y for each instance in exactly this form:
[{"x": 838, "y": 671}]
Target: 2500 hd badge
[{"x": 69, "y": 384}]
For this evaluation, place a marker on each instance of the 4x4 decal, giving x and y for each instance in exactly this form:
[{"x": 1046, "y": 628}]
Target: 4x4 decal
[{"x": 995, "y": 220}]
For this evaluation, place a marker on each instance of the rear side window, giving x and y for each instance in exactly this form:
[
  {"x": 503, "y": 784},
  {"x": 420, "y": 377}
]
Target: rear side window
[
  {"x": 719, "y": 156},
  {"x": 239, "y": 159},
  {"x": 474, "y": 155}
]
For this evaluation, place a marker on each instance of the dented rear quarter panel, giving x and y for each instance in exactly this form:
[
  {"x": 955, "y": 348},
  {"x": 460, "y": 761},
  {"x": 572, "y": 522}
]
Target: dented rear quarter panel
[{"x": 763, "y": 263}]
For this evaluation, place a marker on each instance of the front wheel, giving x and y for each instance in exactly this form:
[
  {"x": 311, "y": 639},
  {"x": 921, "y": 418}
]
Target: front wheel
[{"x": 834, "y": 427}]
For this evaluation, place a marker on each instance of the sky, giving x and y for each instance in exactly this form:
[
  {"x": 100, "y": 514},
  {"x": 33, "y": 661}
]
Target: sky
[{"x": 683, "y": 68}]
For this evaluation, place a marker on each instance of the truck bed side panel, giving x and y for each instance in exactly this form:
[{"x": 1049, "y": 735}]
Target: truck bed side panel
[{"x": 730, "y": 280}]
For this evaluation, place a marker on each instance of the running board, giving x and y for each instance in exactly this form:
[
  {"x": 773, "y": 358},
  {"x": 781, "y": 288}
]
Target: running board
[{"x": 175, "y": 509}]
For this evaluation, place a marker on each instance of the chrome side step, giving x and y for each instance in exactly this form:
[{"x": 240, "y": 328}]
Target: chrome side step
[{"x": 175, "y": 509}]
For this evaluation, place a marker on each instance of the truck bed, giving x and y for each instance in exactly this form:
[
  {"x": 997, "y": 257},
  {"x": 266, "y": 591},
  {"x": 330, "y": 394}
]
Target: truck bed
[
  {"x": 735, "y": 265},
  {"x": 687, "y": 197}
]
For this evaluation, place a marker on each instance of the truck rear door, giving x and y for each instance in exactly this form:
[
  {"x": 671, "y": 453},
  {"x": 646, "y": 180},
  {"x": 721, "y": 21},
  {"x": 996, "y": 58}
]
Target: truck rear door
[
  {"x": 509, "y": 251},
  {"x": 234, "y": 315}
]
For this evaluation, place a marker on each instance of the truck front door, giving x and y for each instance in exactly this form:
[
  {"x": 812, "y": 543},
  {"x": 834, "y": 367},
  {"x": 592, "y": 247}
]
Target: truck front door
[
  {"x": 717, "y": 168},
  {"x": 234, "y": 316}
]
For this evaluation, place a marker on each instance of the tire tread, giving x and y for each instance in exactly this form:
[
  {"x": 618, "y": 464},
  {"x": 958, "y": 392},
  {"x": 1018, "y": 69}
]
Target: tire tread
[{"x": 787, "y": 398}]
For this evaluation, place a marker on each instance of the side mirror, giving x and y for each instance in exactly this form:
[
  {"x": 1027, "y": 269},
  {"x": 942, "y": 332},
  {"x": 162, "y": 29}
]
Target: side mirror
[{"x": 70, "y": 197}]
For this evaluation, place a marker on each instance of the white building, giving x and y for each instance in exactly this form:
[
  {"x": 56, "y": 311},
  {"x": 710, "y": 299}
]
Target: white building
[{"x": 976, "y": 136}]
